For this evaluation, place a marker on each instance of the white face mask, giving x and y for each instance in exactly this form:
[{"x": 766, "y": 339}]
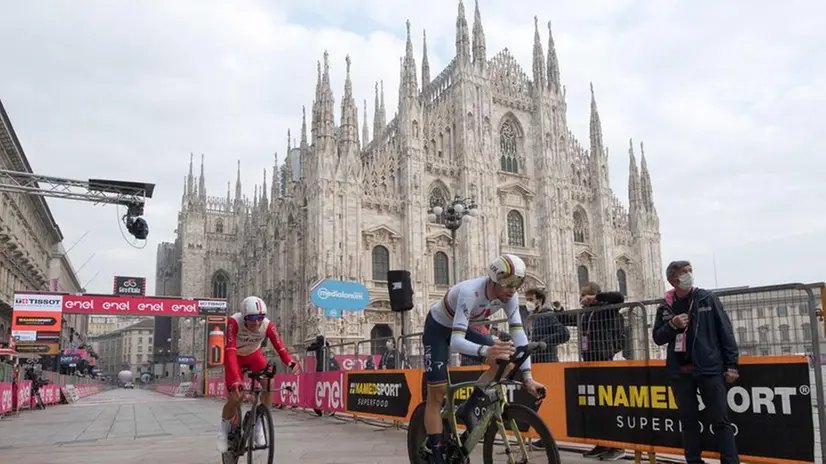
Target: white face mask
[
  {"x": 686, "y": 281},
  {"x": 531, "y": 306}
]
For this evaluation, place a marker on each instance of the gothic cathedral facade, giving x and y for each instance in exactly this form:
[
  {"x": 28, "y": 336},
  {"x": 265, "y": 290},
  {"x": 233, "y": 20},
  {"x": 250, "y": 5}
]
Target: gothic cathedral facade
[{"x": 349, "y": 206}]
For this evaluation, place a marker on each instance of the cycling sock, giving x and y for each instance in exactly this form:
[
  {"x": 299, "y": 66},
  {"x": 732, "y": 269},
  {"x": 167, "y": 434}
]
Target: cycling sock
[{"x": 436, "y": 448}]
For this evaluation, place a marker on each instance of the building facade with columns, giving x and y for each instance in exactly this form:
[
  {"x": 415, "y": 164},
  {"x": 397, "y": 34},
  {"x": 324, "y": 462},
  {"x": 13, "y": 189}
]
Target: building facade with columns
[
  {"x": 32, "y": 256},
  {"x": 352, "y": 203}
]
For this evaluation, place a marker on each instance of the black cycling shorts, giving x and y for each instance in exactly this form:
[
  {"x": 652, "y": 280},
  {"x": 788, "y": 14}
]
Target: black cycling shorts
[{"x": 436, "y": 341}]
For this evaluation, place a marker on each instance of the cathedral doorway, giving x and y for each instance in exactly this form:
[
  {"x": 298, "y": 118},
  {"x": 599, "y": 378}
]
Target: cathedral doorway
[{"x": 379, "y": 331}]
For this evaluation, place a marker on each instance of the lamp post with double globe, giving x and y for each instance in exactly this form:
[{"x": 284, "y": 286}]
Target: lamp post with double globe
[{"x": 455, "y": 213}]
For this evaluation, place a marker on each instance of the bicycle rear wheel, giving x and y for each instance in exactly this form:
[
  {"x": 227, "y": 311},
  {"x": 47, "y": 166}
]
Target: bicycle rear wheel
[
  {"x": 525, "y": 419},
  {"x": 262, "y": 412}
]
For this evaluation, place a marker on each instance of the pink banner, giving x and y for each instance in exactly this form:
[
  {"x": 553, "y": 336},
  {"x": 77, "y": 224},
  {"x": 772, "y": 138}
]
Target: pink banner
[
  {"x": 288, "y": 398},
  {"x": 6, "y": 397},
  {"x": 50, "y": 394},
  {"x": 24, "y": 394},
  {"x": 327, "y": 390}
]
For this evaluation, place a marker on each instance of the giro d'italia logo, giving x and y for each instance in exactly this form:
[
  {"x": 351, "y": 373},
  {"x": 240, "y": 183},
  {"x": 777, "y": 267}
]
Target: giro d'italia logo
[{"x": 587, "y": 395}]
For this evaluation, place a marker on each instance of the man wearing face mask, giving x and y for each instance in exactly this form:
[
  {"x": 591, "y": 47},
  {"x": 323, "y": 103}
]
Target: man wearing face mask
[
  {"x": 543, "y": 325},
  {"x": 702, "y": 354}
]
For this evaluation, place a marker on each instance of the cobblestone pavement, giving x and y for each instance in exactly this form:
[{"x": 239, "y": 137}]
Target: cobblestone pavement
[{"x": 136, "y": 426}]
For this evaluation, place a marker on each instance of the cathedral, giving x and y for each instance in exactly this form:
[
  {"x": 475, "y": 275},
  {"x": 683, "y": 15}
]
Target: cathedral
[{"x": 352, "y": 203}]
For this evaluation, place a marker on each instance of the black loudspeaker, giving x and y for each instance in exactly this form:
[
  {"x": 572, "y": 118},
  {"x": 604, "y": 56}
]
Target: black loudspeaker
[{"x": 401, "y": 290}]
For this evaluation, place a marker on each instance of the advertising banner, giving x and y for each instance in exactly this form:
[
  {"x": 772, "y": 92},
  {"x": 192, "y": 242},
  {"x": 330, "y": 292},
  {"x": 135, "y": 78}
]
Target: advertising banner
[
  {"x": 289, "y": 398},
  {"x": 331, "y": 294},
  {"x": 137, "y": 305},
  {"x": 327, "y": 390},
  {"x": 6, "y": 397},
  {"x": 383, "y": 394},
  {"x": 129, "y": 286},
  {"x": 36, "y": 323},
  {"x": 770, "y": 407}
]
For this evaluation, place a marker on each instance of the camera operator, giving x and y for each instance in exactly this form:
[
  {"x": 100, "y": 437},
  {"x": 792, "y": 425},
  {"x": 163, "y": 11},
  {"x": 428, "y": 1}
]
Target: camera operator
[{"x": 34, "y": 374}]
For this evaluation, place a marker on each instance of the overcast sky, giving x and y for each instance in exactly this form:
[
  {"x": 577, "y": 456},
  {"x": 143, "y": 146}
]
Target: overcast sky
[{"x": 728, "y": 97}]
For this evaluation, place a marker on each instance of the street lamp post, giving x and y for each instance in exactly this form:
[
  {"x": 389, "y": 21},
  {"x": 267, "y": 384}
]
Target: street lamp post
[{"x": 455, "y": 213}]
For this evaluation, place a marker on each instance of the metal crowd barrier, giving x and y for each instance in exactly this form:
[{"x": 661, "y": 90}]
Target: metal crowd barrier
[{"x": 776, "y": 327}]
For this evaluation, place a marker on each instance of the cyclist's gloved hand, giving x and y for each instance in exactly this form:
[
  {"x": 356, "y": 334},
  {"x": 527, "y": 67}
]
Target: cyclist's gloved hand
[{"x": 499, "y": 351}]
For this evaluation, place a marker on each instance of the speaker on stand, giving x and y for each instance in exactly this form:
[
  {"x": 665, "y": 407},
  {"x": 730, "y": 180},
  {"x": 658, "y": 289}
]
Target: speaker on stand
[{"x": 400, "y": 289}]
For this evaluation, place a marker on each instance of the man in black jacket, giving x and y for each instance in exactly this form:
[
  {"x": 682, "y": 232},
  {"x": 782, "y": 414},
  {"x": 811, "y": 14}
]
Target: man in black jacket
[
  {"x": 543, "y": 325},
  {"x": 702, "y": 354}
]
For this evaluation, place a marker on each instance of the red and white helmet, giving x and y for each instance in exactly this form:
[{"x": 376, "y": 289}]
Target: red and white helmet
[{"x": 253, "y": 306}]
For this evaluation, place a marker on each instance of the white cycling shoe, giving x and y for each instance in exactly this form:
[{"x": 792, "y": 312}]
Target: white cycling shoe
[
  {"x": 223, "y": 436},
  {"x": 260, "y": 439}
]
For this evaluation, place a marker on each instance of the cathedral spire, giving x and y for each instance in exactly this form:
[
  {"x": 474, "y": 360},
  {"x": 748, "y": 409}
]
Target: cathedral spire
[
  {"x": 634, "y": 196},
  {"x": 462, "y": 36},
  {"x": 255, "y": 198},
  {"x": 595, "y": 129},
  {"x": 274, "y": 188},
  {"x": 315, "y": 127},
  {"x": 425, "y": 62},
  {"x": 554, "y": 83},
  {"x": 327, "y": 118},
  {"x": 365, "y": 133},
  {"x": 479, "y": 48},
  {"x": 229, "y": 198},
  {"x": 646, "y": 189},
  {"x": 379, "y": 116},
  {"x": 538, "y": 58},
  {"x": 303, "y": 130},
  {"x": 409, "y": 85},
  {"x": 264, "y": 200},
  {"x": 190, "y": 180},
  {"x": 184, "y": 195},
  {"x": 349, "y": 114},
  {"x": 238, "y": 199},
  {"x": 202, "y": 182}
]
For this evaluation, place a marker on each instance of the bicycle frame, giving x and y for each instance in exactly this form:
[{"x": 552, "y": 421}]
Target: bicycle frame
[{"x": 498, "y": 400}]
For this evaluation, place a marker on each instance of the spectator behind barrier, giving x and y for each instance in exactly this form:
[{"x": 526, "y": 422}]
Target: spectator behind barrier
[
  {"x": 601, "y": 336},
  {"x": 543, "y": 325},
  {"x": 702, "y": 354}
]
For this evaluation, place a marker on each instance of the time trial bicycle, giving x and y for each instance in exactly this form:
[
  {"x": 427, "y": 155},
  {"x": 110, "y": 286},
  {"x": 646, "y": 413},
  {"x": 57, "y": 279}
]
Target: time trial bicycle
[
  {"x": 498, "y": 417},
  {"x": 241, "y": 439}
]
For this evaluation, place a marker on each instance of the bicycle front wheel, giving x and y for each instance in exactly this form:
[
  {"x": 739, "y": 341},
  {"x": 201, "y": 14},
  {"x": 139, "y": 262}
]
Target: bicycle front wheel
[
  {"x": 255, "y": 454},
  {"x": 520, "y": 422}
]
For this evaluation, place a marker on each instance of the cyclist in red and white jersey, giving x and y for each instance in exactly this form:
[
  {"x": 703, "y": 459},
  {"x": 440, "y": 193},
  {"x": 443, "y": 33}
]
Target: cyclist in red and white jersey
[{"x": 246, "y": 331}]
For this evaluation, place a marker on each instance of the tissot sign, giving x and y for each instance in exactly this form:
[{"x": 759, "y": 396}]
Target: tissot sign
[{"x": 131, "y": 286}]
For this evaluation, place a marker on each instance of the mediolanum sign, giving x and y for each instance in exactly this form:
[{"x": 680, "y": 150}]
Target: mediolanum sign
[
  {"x": 337, "y": 294},
  {"x": 131, "y": 286}
]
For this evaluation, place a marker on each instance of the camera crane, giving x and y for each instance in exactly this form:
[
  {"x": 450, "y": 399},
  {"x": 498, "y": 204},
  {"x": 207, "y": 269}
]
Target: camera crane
[{"x": 132, "y": 195}]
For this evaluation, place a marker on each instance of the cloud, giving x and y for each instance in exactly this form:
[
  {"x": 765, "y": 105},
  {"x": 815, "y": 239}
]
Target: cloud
[{"x": 725, "y": 100}]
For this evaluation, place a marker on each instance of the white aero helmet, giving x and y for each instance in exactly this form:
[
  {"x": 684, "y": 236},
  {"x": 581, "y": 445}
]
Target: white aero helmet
[
  {"x": 507, "y": 270},
  {"x": 253, "y": 306}
]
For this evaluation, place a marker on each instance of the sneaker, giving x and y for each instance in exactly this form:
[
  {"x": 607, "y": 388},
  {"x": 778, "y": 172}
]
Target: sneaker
[
  {"x": 612, "y": 454},
  {"x": 538, "y": 444},
  {"x": 260, "y": 439},
  {"x": 595, "y": 452},
  {"x": 223, "y": 436}
]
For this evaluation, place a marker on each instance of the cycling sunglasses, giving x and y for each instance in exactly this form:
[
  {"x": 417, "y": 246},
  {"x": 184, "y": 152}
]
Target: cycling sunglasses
[
  {"x": 254, "y": 317},
  {"x": 513, "y": 281}
]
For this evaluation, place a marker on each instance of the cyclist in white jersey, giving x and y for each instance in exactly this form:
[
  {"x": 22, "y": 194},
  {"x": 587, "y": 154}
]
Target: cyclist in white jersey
[{"x": 446, "y": 330}]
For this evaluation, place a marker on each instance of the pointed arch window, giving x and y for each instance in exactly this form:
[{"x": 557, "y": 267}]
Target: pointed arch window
[
  {"x": 441, "y": 269},
  {"x": 508, "y": 147},
  {"x": 381, "y": 263},
  {"x": 516, "y": 228},
  {"x": 580, "y": 227},
  {"x": 220, "y": 285},
  {"x": 622, "y": 281},
  {"x": 438, "y": 197},
  {"x": 582, "y": 276},
  {"x": 219, "y": 226}
]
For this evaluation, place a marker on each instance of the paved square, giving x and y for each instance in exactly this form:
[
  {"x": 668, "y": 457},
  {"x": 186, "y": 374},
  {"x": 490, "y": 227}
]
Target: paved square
[{"x": 137, "y": 426}]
